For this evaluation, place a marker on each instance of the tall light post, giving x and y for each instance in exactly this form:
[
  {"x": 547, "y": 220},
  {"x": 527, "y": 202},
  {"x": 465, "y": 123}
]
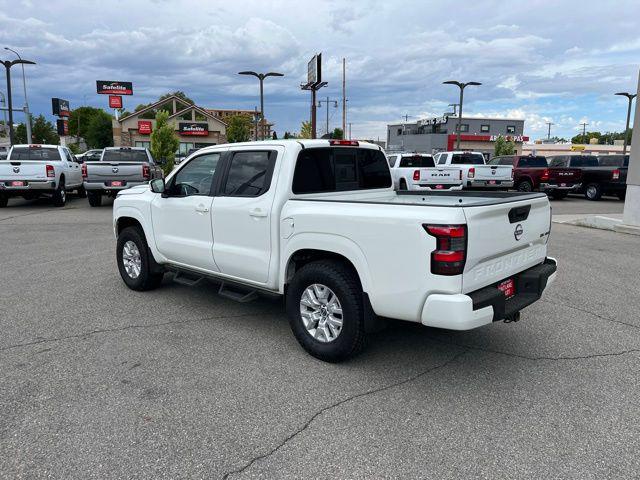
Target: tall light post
[
  {"x": 630, "y": 97},
  {"x": 7, "y": 65},
  {"x": 3, "y": 101},
  {"x": 26, "y": 101},
  {"x": 462, "y": 86},
  {"x": 261, "y": 77}
]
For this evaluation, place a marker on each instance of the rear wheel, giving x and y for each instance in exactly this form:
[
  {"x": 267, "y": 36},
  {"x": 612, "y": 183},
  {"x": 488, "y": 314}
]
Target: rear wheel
[
  {"x": 3, "y": 201},
  {"x": 138, "y": 269},
  {"x": 559, "y": 195},
  {"x": 95, "y": 199},
  {"x": 60, "y": 194},
  {"x": 325, "y": 310},
  {"x": 525, "y": 186},
  {"x": 593, "y": 191}
]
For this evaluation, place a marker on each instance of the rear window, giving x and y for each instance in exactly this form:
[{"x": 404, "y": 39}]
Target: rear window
[
  {"x": 35, "y": 153},
  {"x": 614, "y": 160},
  {"x": 532, "y": 162},
  {"x": 417, "y": 161},
  {"x": 125, "y": 156},
  {"x": 340, "y": 169},
  {"x": 467, "y": 159},
  {"x": 584, "y": 161}
]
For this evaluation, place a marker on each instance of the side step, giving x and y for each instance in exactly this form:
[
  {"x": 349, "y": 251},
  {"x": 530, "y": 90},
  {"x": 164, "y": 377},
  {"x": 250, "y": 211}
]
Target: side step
[
  {"x": 187, "y": 279},
  {"x": 237, "y": 293}
]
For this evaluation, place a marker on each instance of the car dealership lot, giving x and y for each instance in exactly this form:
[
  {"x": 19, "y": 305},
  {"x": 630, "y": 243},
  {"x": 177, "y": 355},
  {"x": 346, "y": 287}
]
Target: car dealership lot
[{"x": 99, "y": 381}]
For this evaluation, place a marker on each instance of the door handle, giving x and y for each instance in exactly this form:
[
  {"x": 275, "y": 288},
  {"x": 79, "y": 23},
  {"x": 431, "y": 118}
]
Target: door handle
[
  {"x": 258, "y": 212},
  {"x": 201, "y": 209}
]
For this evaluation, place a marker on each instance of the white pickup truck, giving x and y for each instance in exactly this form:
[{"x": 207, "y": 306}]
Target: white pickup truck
[
  {"x": 418, "y": 172},
  {"x": 475, "y": 172},
  {"x": 31, "y": 171},
  {"x": 318, "y": 222}
]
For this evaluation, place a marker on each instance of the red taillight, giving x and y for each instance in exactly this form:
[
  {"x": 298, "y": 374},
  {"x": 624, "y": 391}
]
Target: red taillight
[
  {"x": 416, "y": 174},
  {"x": 451, "y": 248},
  {"x": 545, "y": 174},
  {"x": 84, "y": 170},
  {"x": 344, "y": 143},
  {"x": 146, "y": 172},
  {"x": 511, "y": 173},
  {"x": 50, "y": 171},
  {"x": 616, "y": 174},
  {"x": 472, "y": 173}
]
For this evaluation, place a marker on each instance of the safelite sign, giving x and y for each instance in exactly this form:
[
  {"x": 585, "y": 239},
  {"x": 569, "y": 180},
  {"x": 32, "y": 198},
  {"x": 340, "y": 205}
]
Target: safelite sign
[
  {"x": 144, "y": 127},
  {"x": 193, "y": 129},
  {"x": 110, "y": 87}
]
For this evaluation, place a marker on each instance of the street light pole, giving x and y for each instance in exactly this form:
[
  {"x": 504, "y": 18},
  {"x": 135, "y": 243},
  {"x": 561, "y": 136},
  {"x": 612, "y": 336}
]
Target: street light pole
[
  {"x": 462, "y": 86},
  {"x": 3, "y": 101},
  {"x": 261, "y": 77},
  {"x": 630, "y": 97},
  {"x": 549, "y": 130},
  {"x": 26, "y": 101},
  {"x": 7, "y": 65}
]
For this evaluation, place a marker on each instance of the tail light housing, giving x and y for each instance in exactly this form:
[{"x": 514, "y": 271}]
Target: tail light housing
[
  {"x": 451, "y": 248},
  {"x": 146, "y": 172},
  {"x": 416, "y": 174},
  {"x": 84, "y": 170},
  {"x": 545, "y": 175},
  {"x": 472, "y": 173},
  {"x": 616, "y": 174},
  {"x": 512, "y": 174},
  {"x": 51, "y": 173}
]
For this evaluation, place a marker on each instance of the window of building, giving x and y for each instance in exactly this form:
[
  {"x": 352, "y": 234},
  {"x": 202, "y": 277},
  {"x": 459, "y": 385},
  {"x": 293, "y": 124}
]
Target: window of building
[
  {"x": 484, "y": 128},
  {"x": 185, "y": 147},
  {"x": 399, "y": 131},
  {"x": 464, "y": 127},
  {"x": 249, "y": 174},
  {"x": 200, "y": 117},
  {"x": 511, "y": 129}
]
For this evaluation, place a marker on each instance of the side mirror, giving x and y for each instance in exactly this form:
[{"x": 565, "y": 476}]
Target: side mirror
[{"x": 157, "y": 185}]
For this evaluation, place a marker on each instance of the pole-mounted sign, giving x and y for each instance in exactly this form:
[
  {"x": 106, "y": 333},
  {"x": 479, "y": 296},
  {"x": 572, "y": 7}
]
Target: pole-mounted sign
[
  {"x": 314, "y": 70},
  {"x": 62, "y": 126},
  {"x": 115, "y": 101},
  {"x": 109, "y": 87},
  {"x": 60, "y": 107}
]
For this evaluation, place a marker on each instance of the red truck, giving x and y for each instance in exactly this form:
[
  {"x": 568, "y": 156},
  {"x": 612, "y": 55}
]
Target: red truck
[{"x": 532, "y": 173}]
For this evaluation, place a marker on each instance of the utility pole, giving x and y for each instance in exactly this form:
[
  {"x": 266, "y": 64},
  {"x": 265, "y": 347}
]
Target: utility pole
[
  {"x": 255, "y": 123},
  {"x": 549, "y": 130},
  {"x": 344, "y": 97},
  {"x": 327, "y": 102},
  {"x": 584, "y": 132}
]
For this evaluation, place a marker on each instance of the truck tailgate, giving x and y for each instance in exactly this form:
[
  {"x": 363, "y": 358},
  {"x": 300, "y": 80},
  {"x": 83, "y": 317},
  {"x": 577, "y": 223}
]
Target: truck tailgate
[
  {"x": 559, "y": 175},
  {"x": 504, "y": 239},
  {"x": 493, "y": 172},
  {"x": 104, "y": 171},
  {"x": 23, "y": 170},
  {"x": 436, "y": 176}
]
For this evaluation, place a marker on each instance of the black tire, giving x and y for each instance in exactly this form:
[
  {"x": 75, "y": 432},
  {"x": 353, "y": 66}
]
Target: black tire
[
  {"x": 559, "y": 195},
  {"x": 81, "y": 192},
  {"x": 3, "y": 201},
  {"x": 593, "y": 192},
  {"x": 345, "y": 285},
  {"x": 95, "y": 199},
  {"x": 622, "y": 195},
  {"x": 151, "y": 274},
  {"x": 60, "y": 194},
  {"x": 403, "y": 184},
  {"x": 524, "y": 186}
]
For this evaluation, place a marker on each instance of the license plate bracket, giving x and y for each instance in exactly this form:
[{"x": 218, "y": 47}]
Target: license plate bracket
[
  {"x": 18, "y": 183},
  {"x": 508, "y": 288}
]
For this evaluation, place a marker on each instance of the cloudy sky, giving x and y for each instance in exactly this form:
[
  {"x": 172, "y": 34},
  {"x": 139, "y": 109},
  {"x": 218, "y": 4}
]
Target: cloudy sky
[{"x": 538, "y": 60}]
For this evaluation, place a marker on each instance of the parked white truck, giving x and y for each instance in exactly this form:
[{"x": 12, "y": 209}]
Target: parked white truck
[
  {"x": 318, "y": 222},
  {"x": 31, "y": 171},
  {"x": 418, "y": 172},
  {"x": 475, "y": 172}
]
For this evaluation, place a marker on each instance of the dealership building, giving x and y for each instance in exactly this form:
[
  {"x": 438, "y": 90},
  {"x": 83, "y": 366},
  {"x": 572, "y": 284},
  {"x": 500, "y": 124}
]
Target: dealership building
[
  {"x": 434, "y": 135},
  {"x": 197, "y": 127}
]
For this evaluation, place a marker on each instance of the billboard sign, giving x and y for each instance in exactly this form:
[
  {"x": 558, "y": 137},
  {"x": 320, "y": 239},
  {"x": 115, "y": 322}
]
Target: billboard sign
[
  {"x": 109, "y": 87},
  {"x": 144, "y": 127},
  {"x": 115, "y": 101},
  {"x": 193, "y": 129},
  {"x": 62, "y": 126},
  {"x": 60, "y": 107},
  {"x": 314, "y": 70}
]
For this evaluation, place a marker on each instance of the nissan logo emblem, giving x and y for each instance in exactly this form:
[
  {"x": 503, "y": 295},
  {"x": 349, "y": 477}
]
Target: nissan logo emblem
[
  {"x": 16, "y": 169},
  {"x": 114, "y": 169},
  {"x": 518, "y": 232}
]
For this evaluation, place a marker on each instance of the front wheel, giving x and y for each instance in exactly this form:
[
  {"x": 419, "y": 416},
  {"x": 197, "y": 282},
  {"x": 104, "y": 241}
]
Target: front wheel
[
  {"x": 138, "y": 269},
  {"x": 325, "y": 310},
  {"x": 95, "y": 199},
  {"x": 60, "y": 194}
]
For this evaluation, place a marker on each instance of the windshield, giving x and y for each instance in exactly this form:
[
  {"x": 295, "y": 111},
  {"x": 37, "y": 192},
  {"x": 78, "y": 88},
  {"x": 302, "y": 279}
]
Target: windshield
[
  {"x": 467, "y": 158},
  {"x": 35, "y": 154},
  {"x": 417, "y": 161},
  {"x": 125, "y": 156}
]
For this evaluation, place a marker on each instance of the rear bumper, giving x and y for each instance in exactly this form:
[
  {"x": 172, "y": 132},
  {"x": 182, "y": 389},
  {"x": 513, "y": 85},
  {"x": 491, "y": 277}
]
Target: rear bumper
[
  {"x": 464, "y": 312},
  {"x": 42, "y": 186},
  {"x": 428, "y": 188},
  {"x": 546, "y": 187},
  {"x": 486, "y": 184},
  {"x": 105, "y": 187}
]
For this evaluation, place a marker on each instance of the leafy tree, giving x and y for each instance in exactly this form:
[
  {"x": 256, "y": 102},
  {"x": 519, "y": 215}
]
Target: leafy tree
[
  {"x": 42, "y": 131},
  {"x": 238, "y": 128},
  {"x": 586, "y": 138},
  {"x": 99, "y": 133},
  {"x": 20, "y": 134},
  {"x": 164, "y": 141},
  {"x": 504, "y": 147},
  {"x": 337, "y": 134},
  {"x": 287, "y": 136},
  {"x": 75, "y": 149},
  {"x": 305, "y": 130},
  {"x": 274, "y": 136},
  {"x": 82, "y": 116}
]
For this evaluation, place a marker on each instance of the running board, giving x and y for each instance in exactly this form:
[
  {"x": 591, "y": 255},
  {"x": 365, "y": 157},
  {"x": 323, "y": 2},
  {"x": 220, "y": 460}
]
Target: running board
[
  {"x": 237, "y": 293},
  {"x": 187, "y": 279}
]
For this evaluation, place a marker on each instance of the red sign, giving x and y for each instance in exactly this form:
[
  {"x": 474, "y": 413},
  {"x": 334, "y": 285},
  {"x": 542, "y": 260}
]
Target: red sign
[
  {"x": 62, "y": 126},
  {"x": 144, "y": 127},
  {"x": 108, "y": 87},
  {"x": 451, "y": 138},
  {"x": 115, "y": 101}
]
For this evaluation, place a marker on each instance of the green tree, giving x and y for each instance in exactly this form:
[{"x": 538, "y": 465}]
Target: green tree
[
  {"x": 337, "y": 133},
  {"x": 583, "y": 139},
  {"x": 99, "y": 133},
  {"x": 504, "y": 147},
  {"x": 82, "y": 117},
  {"x": 305, "y": 130},
  {"x": 20, "y": 134},
  {"x": 75, "y": 149},
  {"x": 42, "y": 131},
  {"x": 164, "y": 142},
  {"x": 274, "y": 136},
  {"x": 238, "y": 128}
]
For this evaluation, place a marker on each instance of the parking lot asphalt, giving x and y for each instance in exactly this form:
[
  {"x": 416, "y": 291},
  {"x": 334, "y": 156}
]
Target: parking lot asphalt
[{"x": 97, "y": 381}]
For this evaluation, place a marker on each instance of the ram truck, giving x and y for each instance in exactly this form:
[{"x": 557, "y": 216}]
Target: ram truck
[
  {"x": 313, "y": 221},
  {"x": 32, "y": 171},
  {"x": 475, "y": 172},
  {"x": 119, "y": 168},
  {"x": 609, "y": 177},
  {"x": 418, "y": 172}
]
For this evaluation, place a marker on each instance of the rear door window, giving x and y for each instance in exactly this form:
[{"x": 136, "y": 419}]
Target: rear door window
[
  {"x": 249, "y": 173},
  {"x": 35, "y": 154}
]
